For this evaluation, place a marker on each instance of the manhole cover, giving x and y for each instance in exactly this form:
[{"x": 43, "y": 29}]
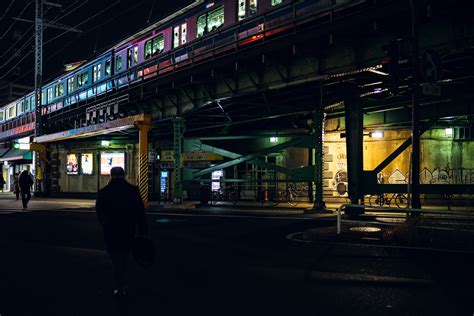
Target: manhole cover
[{"x": 365, "y": 229}]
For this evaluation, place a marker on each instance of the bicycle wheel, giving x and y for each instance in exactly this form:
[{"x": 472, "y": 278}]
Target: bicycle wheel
[
  {"x": 375, "y": 200},
  {"x": 401, "y": 200},
  {"x": 292, "y": 198}
]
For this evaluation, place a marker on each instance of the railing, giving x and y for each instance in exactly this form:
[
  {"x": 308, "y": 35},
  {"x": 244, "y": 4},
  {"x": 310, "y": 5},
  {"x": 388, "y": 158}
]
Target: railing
[{"x": 407, "y": 211}]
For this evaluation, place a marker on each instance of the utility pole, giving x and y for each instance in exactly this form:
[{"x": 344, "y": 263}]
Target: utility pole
[
  {"x": 38, "y": 83},
  {"x": 40, "y": 23},
  {"x": 415, "y": 133}
]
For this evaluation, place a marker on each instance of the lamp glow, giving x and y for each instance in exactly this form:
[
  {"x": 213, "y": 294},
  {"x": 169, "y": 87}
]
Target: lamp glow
[
  {"x": 376, "y": 134},
  {"x": 448, "y": 132},
  {"x": 273, "y": 139},
  {"x": 105, "y": 143}
]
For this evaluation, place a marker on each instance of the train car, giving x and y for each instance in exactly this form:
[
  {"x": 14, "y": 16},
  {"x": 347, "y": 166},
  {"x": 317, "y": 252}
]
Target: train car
[{"x": 201, "y": 30}]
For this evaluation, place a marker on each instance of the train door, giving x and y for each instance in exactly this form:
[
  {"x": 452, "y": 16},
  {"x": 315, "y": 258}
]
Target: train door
[
  {"x": 246, "y": 8},
  {"x": 132, "y": 60},
  {"x": 179, "y": 35}
]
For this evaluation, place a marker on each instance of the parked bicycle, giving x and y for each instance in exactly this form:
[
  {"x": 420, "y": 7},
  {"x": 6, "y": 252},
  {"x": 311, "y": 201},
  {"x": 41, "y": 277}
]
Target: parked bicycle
[
  {"x": 399, "y": 199},
  {"x": 290, "y": 196}
]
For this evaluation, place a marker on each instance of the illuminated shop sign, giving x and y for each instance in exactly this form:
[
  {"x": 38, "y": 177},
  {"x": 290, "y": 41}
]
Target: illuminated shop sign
[
  {"x": 87, "y": 164},
  {"x": 72, "y": 166},
  {"x": 109, "y": 160}
]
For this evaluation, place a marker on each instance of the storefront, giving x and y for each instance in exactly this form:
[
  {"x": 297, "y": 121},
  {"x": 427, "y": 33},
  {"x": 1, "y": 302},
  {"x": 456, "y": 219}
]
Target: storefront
[{"x": 13, "y": 162}]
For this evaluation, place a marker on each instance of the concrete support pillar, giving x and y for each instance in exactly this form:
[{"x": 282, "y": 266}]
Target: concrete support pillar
[
  {"x": 144, "y": 128},
  {"x": 178, "y": 129},
  {"x": 354, "y": 145}
]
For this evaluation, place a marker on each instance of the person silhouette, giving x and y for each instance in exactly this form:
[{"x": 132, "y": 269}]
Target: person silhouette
[{"x": 121, "y": 214}]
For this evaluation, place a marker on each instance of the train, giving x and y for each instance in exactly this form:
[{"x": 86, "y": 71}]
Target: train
[{"x": 183, "y": 33}]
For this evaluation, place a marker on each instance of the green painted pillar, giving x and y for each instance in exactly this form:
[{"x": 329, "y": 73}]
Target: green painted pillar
[{"x": 178, "y": 130}]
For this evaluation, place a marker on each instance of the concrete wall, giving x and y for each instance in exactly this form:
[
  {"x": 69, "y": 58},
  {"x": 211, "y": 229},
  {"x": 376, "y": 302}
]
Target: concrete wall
[{"x": 443, "y": 160}]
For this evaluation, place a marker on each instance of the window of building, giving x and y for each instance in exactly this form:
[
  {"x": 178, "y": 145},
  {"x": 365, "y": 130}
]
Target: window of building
[
  {"x": 252, "y": 7},
  {"x": 241, "y": 9},
  {"x": 183, "y": 33},
  {"x": 118, "y": 63},
  {"x": 176, "y": 36},
  {"x": 210, "y": 21},
  {"x": 96, "y": 70},
  {"x": 135, "y": 55},
  {"x": 70, "y": 85},
  {"x": 277, "y": 2},
  {"x": 107, "y": 67},
  {"x": 154, "y": 46}
]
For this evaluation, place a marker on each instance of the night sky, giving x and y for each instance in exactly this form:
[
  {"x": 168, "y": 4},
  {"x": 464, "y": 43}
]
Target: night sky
[{"x": 102, "y": 23}]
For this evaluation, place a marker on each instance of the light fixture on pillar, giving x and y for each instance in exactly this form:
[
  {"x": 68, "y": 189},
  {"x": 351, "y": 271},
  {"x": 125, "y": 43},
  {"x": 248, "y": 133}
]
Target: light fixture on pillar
[
  {"x": 449, "y": 132},
  {"x": 376, "y": 134},
  {"x": 105, "y": 143},
  {"x": 273, "y": 139}
]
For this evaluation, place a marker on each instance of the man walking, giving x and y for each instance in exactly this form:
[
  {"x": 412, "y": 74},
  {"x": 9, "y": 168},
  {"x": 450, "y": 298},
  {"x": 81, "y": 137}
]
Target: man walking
[
  {"x": 2, "y": 181},
  {"x": 26, "y": 182},
  {"x": 121, "y": 213}
]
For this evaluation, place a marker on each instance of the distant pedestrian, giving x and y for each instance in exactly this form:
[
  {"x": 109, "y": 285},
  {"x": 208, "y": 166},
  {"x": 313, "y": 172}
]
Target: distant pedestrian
[
  {"x": 26, "y": 182},
  {"x": 16, "y": 187},
  {"x": 121, "y": 213},
  {"x": 2, "y": 182}
]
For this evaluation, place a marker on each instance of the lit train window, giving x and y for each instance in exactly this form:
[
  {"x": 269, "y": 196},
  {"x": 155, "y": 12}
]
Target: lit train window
[
  {"x": 32, "y": 103},
  {"x": 183, "y": 33},
  {"x": 107, "y": 68},
  {"x": 135, "y": 55},
  {"x": 96, "y": 72},
  {"x": 50, "y": 94},
  {"x": 241, "y": 11},
  {"x": 276, "y": 2},
  {"x": 154, "y": 46},
  {"x": 26, "y": 105},
  {"x": 179, "y": 35},
  {"x": 201, "y": 25},
  {"x": 58, "y": 90},
  {"x": 253, "y": 7},
  {"x": 118, "y": 63},
  {"x": 1, "y": 115},
  {"x": 19, "y": 107},
  {"x": 129, "y": 58},
  {"x": 210, "y": 21},
  {"x": 82, "y": 79},
  {"x": 176, "y": 36},
  {"x": 70, "y": 85}
]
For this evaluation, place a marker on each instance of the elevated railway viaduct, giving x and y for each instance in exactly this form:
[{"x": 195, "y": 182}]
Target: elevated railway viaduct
[{"x": 271, "y": 109}]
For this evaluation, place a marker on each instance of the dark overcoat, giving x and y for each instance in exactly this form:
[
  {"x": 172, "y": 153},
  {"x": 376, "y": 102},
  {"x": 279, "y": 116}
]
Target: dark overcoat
[{"x": 121, "y": 213}]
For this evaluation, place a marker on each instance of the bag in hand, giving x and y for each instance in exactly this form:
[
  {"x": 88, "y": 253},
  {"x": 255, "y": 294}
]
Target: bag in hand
[{"x": 143, "y": 251}]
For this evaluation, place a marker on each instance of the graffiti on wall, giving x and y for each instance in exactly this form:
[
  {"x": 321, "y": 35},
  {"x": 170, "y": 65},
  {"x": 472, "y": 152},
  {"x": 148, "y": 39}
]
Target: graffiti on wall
[{"x": 447, "y": 176}]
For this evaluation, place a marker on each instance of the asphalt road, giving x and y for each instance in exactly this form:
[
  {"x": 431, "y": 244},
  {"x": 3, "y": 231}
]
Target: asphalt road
[{"x": 53, "y": 263}]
